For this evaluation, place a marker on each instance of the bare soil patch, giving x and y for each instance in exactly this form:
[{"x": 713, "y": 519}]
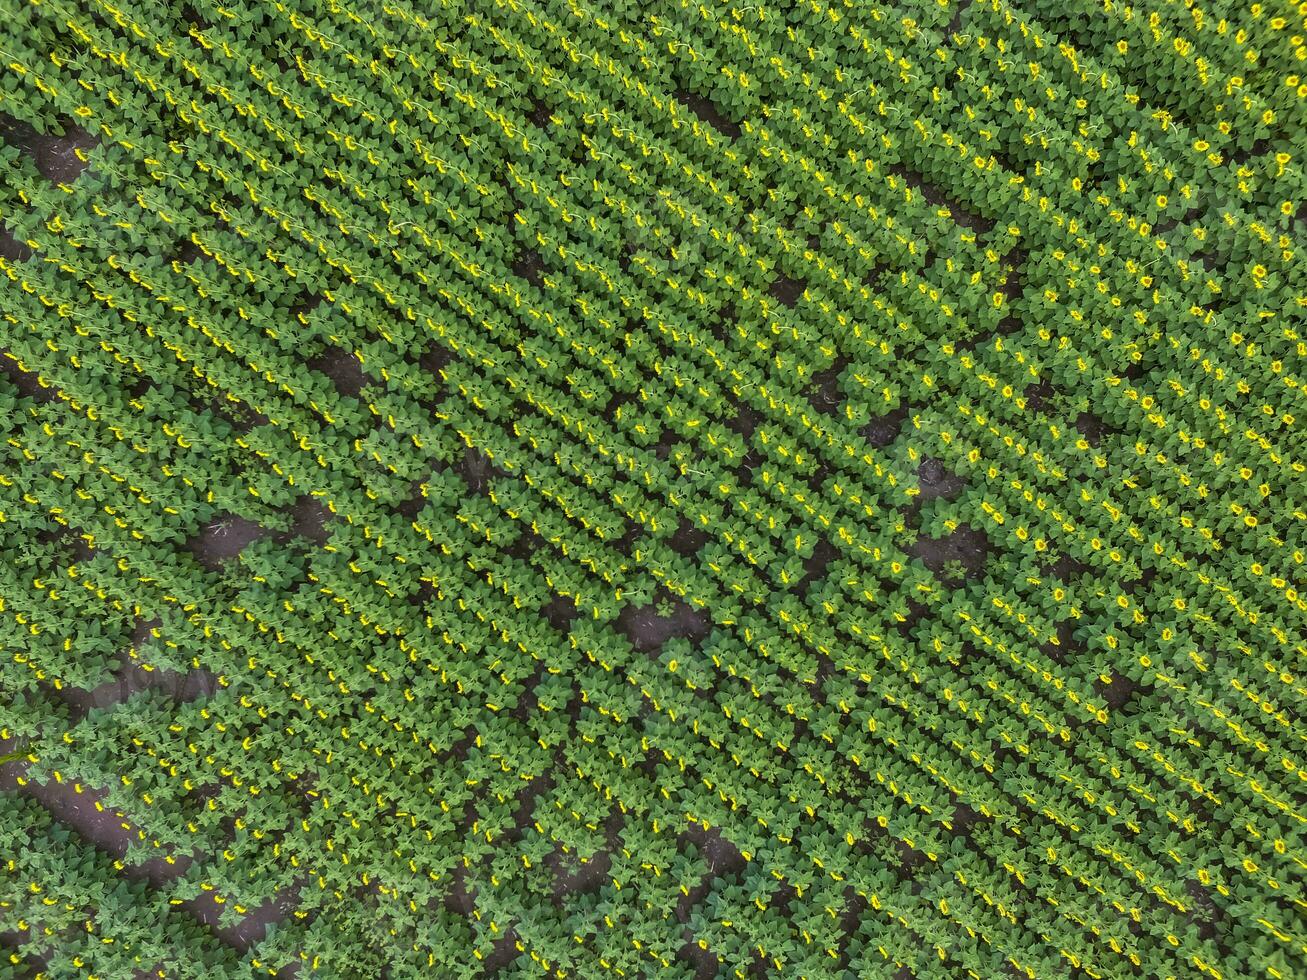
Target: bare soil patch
[
  {"x": 649, "y": 627},
  {"x": 966, "y": 545},
  {"x": 709, "y": 112},
  {"x": 54, "y": 156},
  {"x": 222, "y": 539}
]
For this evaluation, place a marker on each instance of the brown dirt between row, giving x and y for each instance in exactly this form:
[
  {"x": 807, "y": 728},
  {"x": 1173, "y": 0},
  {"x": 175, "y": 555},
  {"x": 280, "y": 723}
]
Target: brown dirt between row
[{"x": 108, "y": 831}]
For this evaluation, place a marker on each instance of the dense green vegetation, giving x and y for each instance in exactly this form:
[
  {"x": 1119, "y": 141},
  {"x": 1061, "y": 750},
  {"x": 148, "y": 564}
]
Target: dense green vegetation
[{"x": 652, "y": 489}]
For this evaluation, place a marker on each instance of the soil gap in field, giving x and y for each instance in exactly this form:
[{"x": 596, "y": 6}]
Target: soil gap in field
[
  {"x": 343, "y": 368},
  {"x": 815, "y": 566},
  {"x": 955, "y": 24},
  {"x": 129, "y": 676},
  {"x": 58, "y": 158},
  {"x": 824, "y": 391},
  {"x": 648, "y": 627},
  {"x": 528, "y": 264},
  {"x": 709, "y": 112},
  {"x": 11, "y": 248},
  {"x": 476, "y": 470},
  {"x": 1093, "y": 428},
  {"x": 1041, "y": 397},
  {"x": 540, "y": 113},
  {"x": 1067, "y": 649},
  {"x": 102, "y": 828},
  {"x": 688, "y": 540},
  {"x": 786, "y": 290},
  {"x": 222, "y": 539},
  {"x": 252, "y": 927},
  {"x": 962, "y": 553},
  {"x": 937, "y": 481},
  {"x": 882, "y": 430},
  {"x": 560, "y": 612},
  {"x": 28, "y": 383},
  {"x": 934, "y": 194},
  {"x": 310, "y": 520}
]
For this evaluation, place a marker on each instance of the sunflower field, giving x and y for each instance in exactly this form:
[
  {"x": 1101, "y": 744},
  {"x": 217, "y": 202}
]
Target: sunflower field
[{"x": 681, "y": 488}]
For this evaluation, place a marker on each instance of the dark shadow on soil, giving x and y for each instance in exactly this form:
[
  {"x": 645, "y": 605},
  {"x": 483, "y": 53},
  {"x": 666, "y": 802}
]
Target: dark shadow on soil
[
  {"x": 824, "y": 393},
  {"x": 722, "y": 857},
  {"x": 188, "y": 253},
  {"x": 69, "y": 539},
  {"x": 304, "y": 307},
  {"x": 253, "y": 928},
  {"x": 560, "y": 612},
  {"x": 476, "y": 469},
  {"x": 458, "y": 899},
  {"x": 961, "y": 214},
  {"x": 101, "y": 827},
  {"x": 434, "y": 359},
  {"x": 1006, "y": 327},
  {"x": 1093, "y": 428},
  {"x": 1038, "y": 395},
  {"x": 240, "y": 417},
  {"x": 25, "y": 381},
  {"x": 815, "y": 565},
  {"x": 1117, "y": 692},
  {"x": 1212, "y": 919},
  {"x": 748, "y": 462},
  {"x": 702, "y": 961},
  {"x": 575, "y": 877},
  {"x": 503, "y": 953},
  {"x": 744, "y": 421},
  {"x": 130, "y": 677},
  {"x": 1066, "y": 568},
  {"x": 411, "y": 506},
  {"x": 540, "y": 113},
  {"x": 1067, "y": 647},
  {"x": 1142, "y": 582},
  {"x": 956, "y": 22},
  {"x": 964, "y": 818},
  {"x": 26, "y": 965},
  {"x": 1014, "y": 277},
  {"x": 663, "y": 447}
]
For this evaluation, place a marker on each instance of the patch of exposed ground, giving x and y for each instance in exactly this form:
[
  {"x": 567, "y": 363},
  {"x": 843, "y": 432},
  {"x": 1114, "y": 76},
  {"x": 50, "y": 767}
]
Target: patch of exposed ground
[
  {"x": 709, "y": 112},
  {"x": 649, "y": 627},
  {"x": 343, "y": 368},
  {"x": 937, "y": 481},
  {"x": 222, "y": 539},
  {"x": 884, "y": 429},
  {"x": 967, "y": 546},
  {"x": 56, "y": 157}
]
